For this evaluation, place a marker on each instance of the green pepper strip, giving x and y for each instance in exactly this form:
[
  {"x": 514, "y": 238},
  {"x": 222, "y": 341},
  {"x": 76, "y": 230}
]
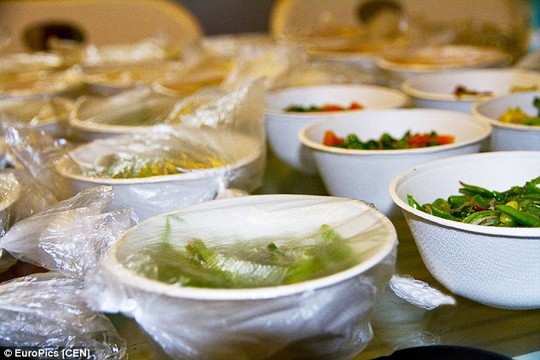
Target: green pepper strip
[
  {"x": 415, "y": 204},
  {"x": 520, "y": 217},
  {"x": 473, "y": 190},
  {"x": 457, "y": 200}
]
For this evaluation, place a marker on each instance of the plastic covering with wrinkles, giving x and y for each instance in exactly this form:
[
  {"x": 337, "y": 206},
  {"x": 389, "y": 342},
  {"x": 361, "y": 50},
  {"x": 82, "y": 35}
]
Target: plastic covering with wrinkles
[
  {"x": 215, "y": 158},
  {"x": 69, "y": 236},
  {"x": 323, "y": 318},
  {"x": 47, "y": 311}
]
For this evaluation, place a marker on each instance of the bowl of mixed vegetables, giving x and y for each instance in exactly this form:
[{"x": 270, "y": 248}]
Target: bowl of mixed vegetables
[
  {"x": 357, "y": 156},
  {"x": 265, "y": 277},
  {"x": 460, "y": 90},
  {"x": 476, "y": 221},
  {"x": 288, "y": 110},
  {"x": 515, "y": 120}
]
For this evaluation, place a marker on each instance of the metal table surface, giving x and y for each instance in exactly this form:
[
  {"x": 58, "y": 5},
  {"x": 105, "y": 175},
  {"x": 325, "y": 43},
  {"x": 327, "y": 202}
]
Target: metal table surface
[{"x": 514, "y": 333}]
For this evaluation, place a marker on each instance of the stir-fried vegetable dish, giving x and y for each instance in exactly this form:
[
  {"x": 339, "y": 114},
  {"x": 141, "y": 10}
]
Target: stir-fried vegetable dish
[
  {"x": 248, "y": 264},
  {"x": 128, "y": 166},
  {"x": 516, "y": 115},
  {"x": 324, "y": 108},
  {"x": 518, "y": 206},
  {"x": 387, "y": 142}
]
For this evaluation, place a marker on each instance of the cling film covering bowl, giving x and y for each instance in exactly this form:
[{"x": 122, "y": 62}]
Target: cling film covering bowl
[
  {"x": 326, "y": 317},
  {"x": 227, "y": 158}
]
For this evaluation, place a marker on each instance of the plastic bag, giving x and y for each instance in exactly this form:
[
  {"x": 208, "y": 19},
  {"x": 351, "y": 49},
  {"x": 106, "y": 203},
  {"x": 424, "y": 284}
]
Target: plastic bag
[
  {"x": 47, "y": 311},
  {"x": 71, "y": 235},
  {"x": 320, "y": 319}
]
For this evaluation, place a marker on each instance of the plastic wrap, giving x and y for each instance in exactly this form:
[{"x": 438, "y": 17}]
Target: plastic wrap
[
  {"x": 69, "y": 236},
  {"x": 267, "y": 61},
  {"x": 140, "y": 109},
  {"x": 403, "y": 311},
  {"x": 21, "y": 198},
  {"x": 232, "y": 159},
  {"x": 323, "y": 318},
  {"x": 47, "y": 311},
  {"x": 153, "y": 49},
  {"x": 283, "y": 66},
  {"x": 39, "y": 83},
  {"x": 48, "y": 115}
]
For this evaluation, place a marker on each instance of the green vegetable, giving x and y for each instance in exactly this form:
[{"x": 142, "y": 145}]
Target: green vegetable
[
  {"x": 518, "y": 206},
  {"x": 257, "y": 263},
  {"x": 520, "y": 217}
]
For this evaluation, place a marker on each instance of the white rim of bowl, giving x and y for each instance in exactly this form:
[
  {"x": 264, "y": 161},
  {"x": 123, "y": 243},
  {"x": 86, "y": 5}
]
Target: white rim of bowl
[
  {"x": 409, "y": 85},
  {"x": 376, "y": 88},
  {"x": 431, "y": 149},
  {"x": 96, "y": 128},
  {"x": 144, "y": 284},
  {"x": 479, "y": 229},
  {"x": 475, "y": 111}
]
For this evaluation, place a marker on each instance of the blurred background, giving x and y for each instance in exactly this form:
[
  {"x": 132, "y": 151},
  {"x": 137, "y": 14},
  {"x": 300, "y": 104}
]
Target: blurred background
[{"x": 231, "y": 16}]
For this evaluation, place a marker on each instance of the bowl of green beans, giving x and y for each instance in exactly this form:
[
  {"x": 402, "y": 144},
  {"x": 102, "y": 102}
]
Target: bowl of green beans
[{"x": 476, "y": 222}]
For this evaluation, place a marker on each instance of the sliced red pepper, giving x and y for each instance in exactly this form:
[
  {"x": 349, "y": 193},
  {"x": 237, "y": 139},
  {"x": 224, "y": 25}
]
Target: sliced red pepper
[
  {"x": 355, "y": 106},
  {"x": 331, "y": 139},
  {"x": 419, "y": 140},
  {"x": 444, "y": 139},
  {"x": 332, "y": 107}
]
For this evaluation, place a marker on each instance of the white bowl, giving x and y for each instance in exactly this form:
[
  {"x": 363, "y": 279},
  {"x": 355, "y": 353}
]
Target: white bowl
[
  {"x": 507, "y": 136},
  {"x": 365, "y": 174},
  {"x": 327, "y": 317},
  {"x": 148, "y": 196},
  {"x": 491, "y": 265},
  {"x": 438, "y": 90},
  {"x": 282, "y": 127}
]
